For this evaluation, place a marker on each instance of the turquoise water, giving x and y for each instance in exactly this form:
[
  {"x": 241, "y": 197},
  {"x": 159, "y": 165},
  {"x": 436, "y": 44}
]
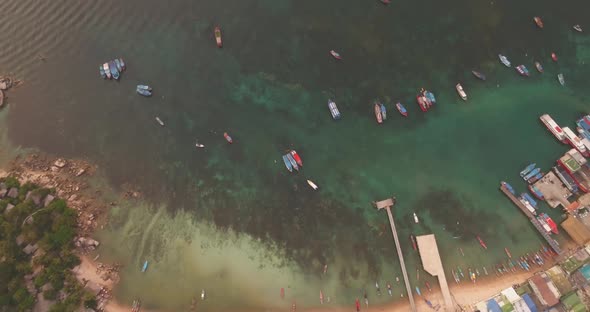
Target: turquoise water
[{"x": 230, "y": 218}]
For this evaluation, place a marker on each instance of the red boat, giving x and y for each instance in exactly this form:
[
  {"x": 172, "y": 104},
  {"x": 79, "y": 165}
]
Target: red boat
[
  {"x": 554, "y": 56},
  {"x": 551, "y": 223},
  {"x": 228, "y": 138},
  {"x": 401, "y": 109},
  {"x": 378, "y": 113},
  {"x": 538, "y": 21},
  {"x": 293, "y": 307},
  {"x": 428, "y": 286},
  {"x": 413, "y": 239},
  {"x": 282, "y": 293},
  {"x": 357, "y": 304},
  {"x": 482, "y": 243},
  {"x": 422, "y": 102},
  {"x": 297, "y": 158},
  {"x": 335, "y": 54},
  {"x": 508, "y": 252},
  {"x": 218, "y": 36}
]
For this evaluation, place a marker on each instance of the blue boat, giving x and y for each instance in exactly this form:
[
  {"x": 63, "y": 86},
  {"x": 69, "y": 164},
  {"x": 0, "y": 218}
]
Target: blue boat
[
  {"x": 383, "y": 111},
  {"x": 530, "y": 199},
  {"x": 101, "y": 71},
  {"x": 114, "y": 71},
  {"x": 430, "y": 96},
  {"x": 292, "y": 161},
  {"x": 527, "y": 169},
  {"x": 536, "y": 192},
  {"x": 535, "y": 178},
  {"x": 333, "y": 110},
  {"x": 143, "y": 92},
  {"x": 401, "y": 109},
  {"x": 532, "y": 174},
  {"x": 418, "y": 291},
  {"x": 509, "y": 187},
  {"x": 144, "y": 87},
  {"x": 584, "y": 126},
  {"x": 287, "y": 163},
  {"x": 118, "y": 64},
  {"x": 145, "y": 266}
]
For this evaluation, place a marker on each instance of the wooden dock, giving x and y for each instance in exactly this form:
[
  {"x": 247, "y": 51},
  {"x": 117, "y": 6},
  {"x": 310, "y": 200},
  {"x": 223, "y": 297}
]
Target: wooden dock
[
  {"x": 552, "y": 242},
  {"x": 387, "y": 204}
]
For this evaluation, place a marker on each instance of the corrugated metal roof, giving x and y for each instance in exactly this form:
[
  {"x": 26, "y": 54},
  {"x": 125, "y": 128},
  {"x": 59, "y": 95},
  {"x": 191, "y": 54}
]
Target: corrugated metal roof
[
  {"x": 529, "y": 302},
  {"x": 493, "y": 306},
  {"x": 543, "y": 292}
]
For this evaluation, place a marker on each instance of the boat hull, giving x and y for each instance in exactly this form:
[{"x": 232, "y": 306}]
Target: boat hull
[
  {"x": 378, "y": 116},
  {"x": 401, "y": 109},
  {"x": 217, "y": 33}
]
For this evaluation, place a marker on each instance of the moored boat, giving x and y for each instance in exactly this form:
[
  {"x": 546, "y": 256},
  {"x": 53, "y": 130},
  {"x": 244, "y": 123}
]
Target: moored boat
[
  {"x": 107, "y": 71},
  {"x": 504, "y": 60},
  {"x": 553, "y": 127},
  {"x": 528, "y": 205},
  {"x": 481, "y": 242},
  {"x": 313, "y": 185},
  {"x": 422, "y": 102},
  {"x": 554, "y": 56},
  {"x": 1, "y": 98},
  {"x": 378, "y": 115},
  {"x": 101, "y": 71},
  {"x": 144, "y": 267},
  {"x": 561, "y": 79},
  {"x": 535, "y": 178},
  {"x": 413, "y": 239},
  {"x": 478, "y": 75},
  {"x": 508, "y": 252},
  {"x": 144, "y": 87},
  {"x": 118, "y": 64},
  {"x": 287, "y": 163},
  {"x": 334, "y": 110},
  {"x": 430, "y": 96},
  {"x": 544, "y": 224},
  {"x": 123, "y": 66},
  {"x": 335, "y": 54},
  {"x": 577, "y": 28},
  {"x": 522, "y": 70},
  {"x": 530, "y": 199},
  {"x": 114, "y": 71},
  {"x": 293, "y": 162},
  {"x": 532, "y": 173},
  {"x": 527, "y": 169},
  {"x": 202, "y": 294},
  {"x": 550, "y": 222},
  {"x": 160, "y": 121},
  {"x": 536, "y": 192},
  {"x": 416, "y": 218},
  {"x": 143, "y": 92},
  {"x": 539, "y": 67},
  {"x": 297, "y": 158},
  {"x": 538, "y": 21},
  {"x": 228, "y": 138},
  {"x": 401, "y": 109},
  {"x": 508, "y": 187},
  {"x": 461, "y": 92},
  {"x": 217, "y": 33},
  {"x": 383, "y": 111}
]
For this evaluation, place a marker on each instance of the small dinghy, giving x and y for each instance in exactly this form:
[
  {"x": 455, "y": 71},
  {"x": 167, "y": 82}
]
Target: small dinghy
[
  {"x": 107, "y": 71},
  {"x": 217, "y": 33},
  {"x": 335, "y": 54},
  {"x": 560, "y": 79},
  {"x": 479, "y": 75},
  {"x": 144, "y": 87},
  {"x": 577, "y": 28},
  {"x": 145, "y": 267},
  {"x": 334, "y": 110},
  {"x": 504, "y": 60},
  {"x": 118, "y": 64},
  {"x": 123, "y": 67},
  {"x": 287, "y": 163},
  {"x": 199, "y": 145},
  {"x": 383, "y": 111},
  {"x": 539, "y": 67},
  {"x": 554, "y": 56},
  {"x": 401, "y": 109},
  {"x": 538, "y": 21},
  {"x": 143, "y": 92},
  {"x": 160, "y": 121},
  {"x": 378, "y": 116},
  {"x": 461, "y": 92},
  {"x": 522, "y": 70},
  {"x": 313, "y": 185},
  {"x": 416, "y": 218},
  {"x": 228, "y": 138},
  {"x": 114, "y": 71}
]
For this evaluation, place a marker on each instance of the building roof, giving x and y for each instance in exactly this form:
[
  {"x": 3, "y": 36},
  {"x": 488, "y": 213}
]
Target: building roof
[
  {"x": 543, "y": 291},
  {"x": 511, "y": 295},
  {"x": 576, "y": 230},
  {"x": 529, "y": 302},
  {"x": 572, "y": 302}
]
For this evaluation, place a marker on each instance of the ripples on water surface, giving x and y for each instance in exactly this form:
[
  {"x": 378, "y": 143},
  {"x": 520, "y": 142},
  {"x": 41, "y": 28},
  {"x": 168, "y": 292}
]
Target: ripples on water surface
[{"x": 269, "y": 87}]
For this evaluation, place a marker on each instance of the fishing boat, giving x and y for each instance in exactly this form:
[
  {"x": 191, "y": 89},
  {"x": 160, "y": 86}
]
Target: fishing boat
[
  {"x": 527, "y": 169},
  {"x": 333, "y": 110},
  {"x": 522, "y": 70},
  {"x": 217, "y": 33},
  {"x": 479, "y": 75},
  {"x": 313, "y": 185},
  {"x": 536, "y": 178},
  {"x": 287, "y": 163},
  {"x": 539, "y": 67},
  {"x": 481, "y": 242},
  {"x": 118, "y": 64},
  {"x": 144, "y": 87},
  {"x": 107, "y": 71},
  {"x": 102, "y": 73},
  {"x": 423, "y": 102},
  {"x": 555, "y": 129},
  {"x": 508, "y": 187},
  {"x": 532, "y": 173},
  {"x": 538, "y": 21},
  {"x": 401, "y": 109},
  {"x": 577, "y": 28},
  {"x": 504, "y": 60},
  {"x": 529, "y": 198},
  {"x": 554, "y": 56},
  {"x": 123, "y": 66},
  {"x": 544, "y": 223},
  {"x": 160, "y": 121},
  {"x": 143, "y": 92},
  {"x": 416, "y": 218},
  {"x": 413, "y": 239},
  {"x": 418, "y": 291},
  {"x": 536, "y": 192},
  {"x": 136, "y": 305},
  {"x": 202, "y": 294},
  {"x": 508, "y": 252},
  {"x": 428, "y": 286},
  {"x": 389, "y": 290},
  {"x": 335, "y": 54},
  {"x": 560, "y": 79},
  {"x": 297, "y": 158},
  {"x": 321, "y": 297},
  {"x": 293, "y": 162},
  {"x": 383, "y": 111},
  {"x": 228, "y": 138},
  {"x": 114, "y": 70},
  {"x": 378, "y": 115},
  {"x": 550, "y": 222},
  {"x": 430, "y": 96},
  {"x": 199, "y": 145},
  {"x": 461, "y": 92},
  {"x": 145, "y": 266},
  {"x": 485, "y": 271}
]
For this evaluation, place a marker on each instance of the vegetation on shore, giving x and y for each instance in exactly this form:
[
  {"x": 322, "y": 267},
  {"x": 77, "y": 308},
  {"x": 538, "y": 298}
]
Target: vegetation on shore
[{"x": 37, "y": 250}]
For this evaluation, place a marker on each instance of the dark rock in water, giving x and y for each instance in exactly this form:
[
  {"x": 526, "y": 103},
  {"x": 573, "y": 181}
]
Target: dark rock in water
[
  {"x": 48, "y": 199},
  {"x": 13, "y": 193}
]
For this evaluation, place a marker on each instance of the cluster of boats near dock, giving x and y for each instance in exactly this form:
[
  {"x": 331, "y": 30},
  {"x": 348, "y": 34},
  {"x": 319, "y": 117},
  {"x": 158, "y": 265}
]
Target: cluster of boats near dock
[
  {"x": 112, "y": 69},
  {"x": 293, "y": 161}
]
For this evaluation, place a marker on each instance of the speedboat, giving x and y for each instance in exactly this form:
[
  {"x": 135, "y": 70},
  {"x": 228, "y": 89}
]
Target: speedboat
[
  {"x": 143, "y": 92},
  {"x": 538, "y": 21},
  {"x": 292, "y": 161},
  {"x": 478, "y": 75},
  {"x": 144, "y": 87},
  {"x": 383, "y": 111},
  {"x": 401, "y": 109},
  {"x": 217, "y": 33},
  {"x": 107, "y": 71},
  {"x": 416, "y": 218},
  {"x": 333, "y": 110},
  {"x": 378, "y": 115},
  {"x": 228, "y": 138},
  {"x": 199, "y": 145},
  {"x": 461, "y": 92},
  {"x": 539, "y": 67},
  {"x": 160, "y": 121},
  {"x": 114, "y": 71},
  {"x": 554, "y": 56},
  {"x": 296, "y": 157},
  {"x": 313, "y": 185},
  {"x": 287, "y": 163},
  {"x": 118, "y": 64},
  {"x": 102, "y": 73},
  {"x": 335, "y": 54},
  {"x": 504, "y": 60},
  {"x": 577, "y": 28},
  {"x": 561, "y": 80},
  {"x": 522, "y": 70}
]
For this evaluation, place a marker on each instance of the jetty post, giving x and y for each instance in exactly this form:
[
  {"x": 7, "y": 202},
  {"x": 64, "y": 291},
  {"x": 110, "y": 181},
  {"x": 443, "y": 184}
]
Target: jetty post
[{"x": 387, "y": 204}]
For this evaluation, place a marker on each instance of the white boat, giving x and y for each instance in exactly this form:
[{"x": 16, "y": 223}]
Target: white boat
[
  {"x": 199, "y": 145},
  {"x": 203, "y": 294},
  {"x": 553, "y": 127},
  {"x": 578, "y": 28},
  {"x": 333, "y": 110},
  {"x": 461, "y": 92},
  {"x": 560, "y": 79},
  {"x": 160, "y": 121},
  {"x": 416, "y": 218},
  {"x": 313, "y": 185},
  {"x": 504, "y": 60}
]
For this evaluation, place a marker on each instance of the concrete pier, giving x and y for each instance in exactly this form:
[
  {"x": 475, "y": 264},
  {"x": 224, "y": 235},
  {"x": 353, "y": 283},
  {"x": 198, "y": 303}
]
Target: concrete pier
[
  {"x": 553, "y": 190},
  {"x": 433, "y": 265},
  {"x": 387, "y": 204}
]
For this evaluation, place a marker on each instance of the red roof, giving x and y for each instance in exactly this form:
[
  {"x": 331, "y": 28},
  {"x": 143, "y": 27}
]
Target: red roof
[{"x": 547, "y": 295}]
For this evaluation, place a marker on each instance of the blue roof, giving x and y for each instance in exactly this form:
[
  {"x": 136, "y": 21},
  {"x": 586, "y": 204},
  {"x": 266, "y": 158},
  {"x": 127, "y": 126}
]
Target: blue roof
[
  {"x": 493, "y": 306},
  {"x": 529, "y": 302},
  {"x": 585, "y": 270}
]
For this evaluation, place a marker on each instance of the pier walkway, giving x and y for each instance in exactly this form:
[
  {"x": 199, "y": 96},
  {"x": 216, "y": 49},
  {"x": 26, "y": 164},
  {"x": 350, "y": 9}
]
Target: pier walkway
[
  {"x": 433, "y": 265},
  {"x": 553, "y": 243},
  {"x": 387, "y": 204}
]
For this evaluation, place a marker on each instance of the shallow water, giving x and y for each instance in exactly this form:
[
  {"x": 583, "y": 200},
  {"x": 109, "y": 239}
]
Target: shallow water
[{"x": 229, "y": 218}]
